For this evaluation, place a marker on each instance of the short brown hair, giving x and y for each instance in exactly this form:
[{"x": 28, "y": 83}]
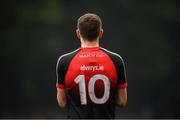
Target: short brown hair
[{"x": 89, "y": 25}]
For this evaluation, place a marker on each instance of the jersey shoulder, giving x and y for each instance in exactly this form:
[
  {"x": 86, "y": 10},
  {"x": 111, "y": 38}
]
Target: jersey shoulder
[
  {"x": 67, "y": 56},
  {"x": 119, "y": 65},
  {"x": 65, "y": 59},
  {"x": 62, "y": 65},
  {"x": 114, "y": 56}
]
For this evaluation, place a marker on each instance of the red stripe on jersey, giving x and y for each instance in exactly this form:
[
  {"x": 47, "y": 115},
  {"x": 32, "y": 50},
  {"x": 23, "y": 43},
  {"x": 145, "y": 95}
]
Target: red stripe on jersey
[
  {"x": 122, "y": 86},
  {"x": 60, "y": 86}
]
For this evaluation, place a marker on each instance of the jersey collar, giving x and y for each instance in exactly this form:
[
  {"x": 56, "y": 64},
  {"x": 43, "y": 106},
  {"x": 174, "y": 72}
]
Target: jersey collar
[{"x": 90, "y": 48}]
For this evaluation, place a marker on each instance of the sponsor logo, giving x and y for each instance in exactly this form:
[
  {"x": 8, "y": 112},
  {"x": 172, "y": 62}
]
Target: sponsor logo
[
  {"x": 91, "y": 68},
  {"x": 91, "y": 55}
]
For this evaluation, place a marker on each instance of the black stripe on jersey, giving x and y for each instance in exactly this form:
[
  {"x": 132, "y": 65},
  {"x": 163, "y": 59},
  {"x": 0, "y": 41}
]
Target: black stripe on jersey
[
  {"x": 119, "y": 65},
  {"x": 63, "y": 64}
]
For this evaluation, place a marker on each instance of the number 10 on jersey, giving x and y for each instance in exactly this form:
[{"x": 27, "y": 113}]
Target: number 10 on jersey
[{"x": 80, "y": 80}]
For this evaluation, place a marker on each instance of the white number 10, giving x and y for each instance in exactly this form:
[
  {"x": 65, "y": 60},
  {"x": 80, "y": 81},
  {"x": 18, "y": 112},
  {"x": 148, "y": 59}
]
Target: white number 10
[{"x": 82, "y": 88}]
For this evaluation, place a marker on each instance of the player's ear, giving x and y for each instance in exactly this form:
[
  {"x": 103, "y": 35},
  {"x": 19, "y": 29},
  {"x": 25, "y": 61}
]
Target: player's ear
[
  {"x": 101, "y": 33},
  {"x": 78, "y": 33}
]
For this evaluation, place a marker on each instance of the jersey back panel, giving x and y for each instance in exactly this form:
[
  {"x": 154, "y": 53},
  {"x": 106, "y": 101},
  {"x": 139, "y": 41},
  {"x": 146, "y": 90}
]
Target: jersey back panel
[{"x": 91, "y": 79}]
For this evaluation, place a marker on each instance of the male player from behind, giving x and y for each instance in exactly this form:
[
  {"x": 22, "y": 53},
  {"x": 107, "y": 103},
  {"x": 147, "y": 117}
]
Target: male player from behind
[{"x": 91, "y": 80}]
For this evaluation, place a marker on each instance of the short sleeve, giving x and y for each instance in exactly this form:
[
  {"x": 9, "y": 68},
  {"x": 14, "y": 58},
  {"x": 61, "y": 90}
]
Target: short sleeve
[
  {"x": 121, "y": 72},
  {"x": 120, "y": 68},
  {"x": 60, "y": 73}
]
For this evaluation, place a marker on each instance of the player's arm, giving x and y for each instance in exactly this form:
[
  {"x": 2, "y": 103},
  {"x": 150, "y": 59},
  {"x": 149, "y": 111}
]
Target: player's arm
[
  {"x": 61, "y": 97},
  {"x": 60, "y": 85},
  {"x": 122, "y": 84},
  {"x": 122, "y": 97}
]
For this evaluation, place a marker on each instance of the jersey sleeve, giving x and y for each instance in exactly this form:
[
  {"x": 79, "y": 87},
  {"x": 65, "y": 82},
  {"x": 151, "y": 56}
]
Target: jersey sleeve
[
  {"x": 60, "y": 73},
  {"x": 120, "y": 68},
  {"x": 121, "y": 72}
]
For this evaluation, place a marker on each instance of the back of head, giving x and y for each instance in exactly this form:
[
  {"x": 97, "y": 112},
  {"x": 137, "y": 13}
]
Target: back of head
[{"x": 89, "y": 25}]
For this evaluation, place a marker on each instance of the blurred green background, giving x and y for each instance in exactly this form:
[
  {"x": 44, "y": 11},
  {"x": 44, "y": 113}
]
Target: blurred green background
[{"x": 34, "y": 33}]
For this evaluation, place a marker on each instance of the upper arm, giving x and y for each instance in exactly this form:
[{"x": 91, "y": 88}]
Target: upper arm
[
  {"x": 121, "y": 73},
  {"x": 121, "y": 82},
  {"x": 60, "y": 73},
  {"x": 60, "y": 84},
  {"x": 122, "y": 97},
  {"x": 61, "y": 97}
]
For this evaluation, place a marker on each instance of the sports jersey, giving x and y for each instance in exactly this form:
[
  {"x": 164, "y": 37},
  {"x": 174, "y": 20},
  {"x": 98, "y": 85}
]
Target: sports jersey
[{"x": 91, "y": 78}]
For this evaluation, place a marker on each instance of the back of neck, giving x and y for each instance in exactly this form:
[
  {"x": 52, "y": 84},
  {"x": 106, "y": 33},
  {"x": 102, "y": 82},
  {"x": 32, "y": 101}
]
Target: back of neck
[{"x": 87, "y": 44}]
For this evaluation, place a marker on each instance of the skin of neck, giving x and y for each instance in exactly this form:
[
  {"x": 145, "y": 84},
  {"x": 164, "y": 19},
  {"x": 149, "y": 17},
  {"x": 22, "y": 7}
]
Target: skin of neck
[{"x": 88, "y": 44}]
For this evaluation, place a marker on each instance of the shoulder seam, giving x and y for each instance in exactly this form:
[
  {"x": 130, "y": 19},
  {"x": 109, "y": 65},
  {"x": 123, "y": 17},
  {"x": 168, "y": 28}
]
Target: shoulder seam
[
  {"x": 64, "y": 56},
  {"x": 115, "y": 54},
  {"x": 112, "y": 53}
]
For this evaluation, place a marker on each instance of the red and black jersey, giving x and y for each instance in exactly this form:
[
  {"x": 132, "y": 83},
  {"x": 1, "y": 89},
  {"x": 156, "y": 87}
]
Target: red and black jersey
[{"x": 91, "y": 77}]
